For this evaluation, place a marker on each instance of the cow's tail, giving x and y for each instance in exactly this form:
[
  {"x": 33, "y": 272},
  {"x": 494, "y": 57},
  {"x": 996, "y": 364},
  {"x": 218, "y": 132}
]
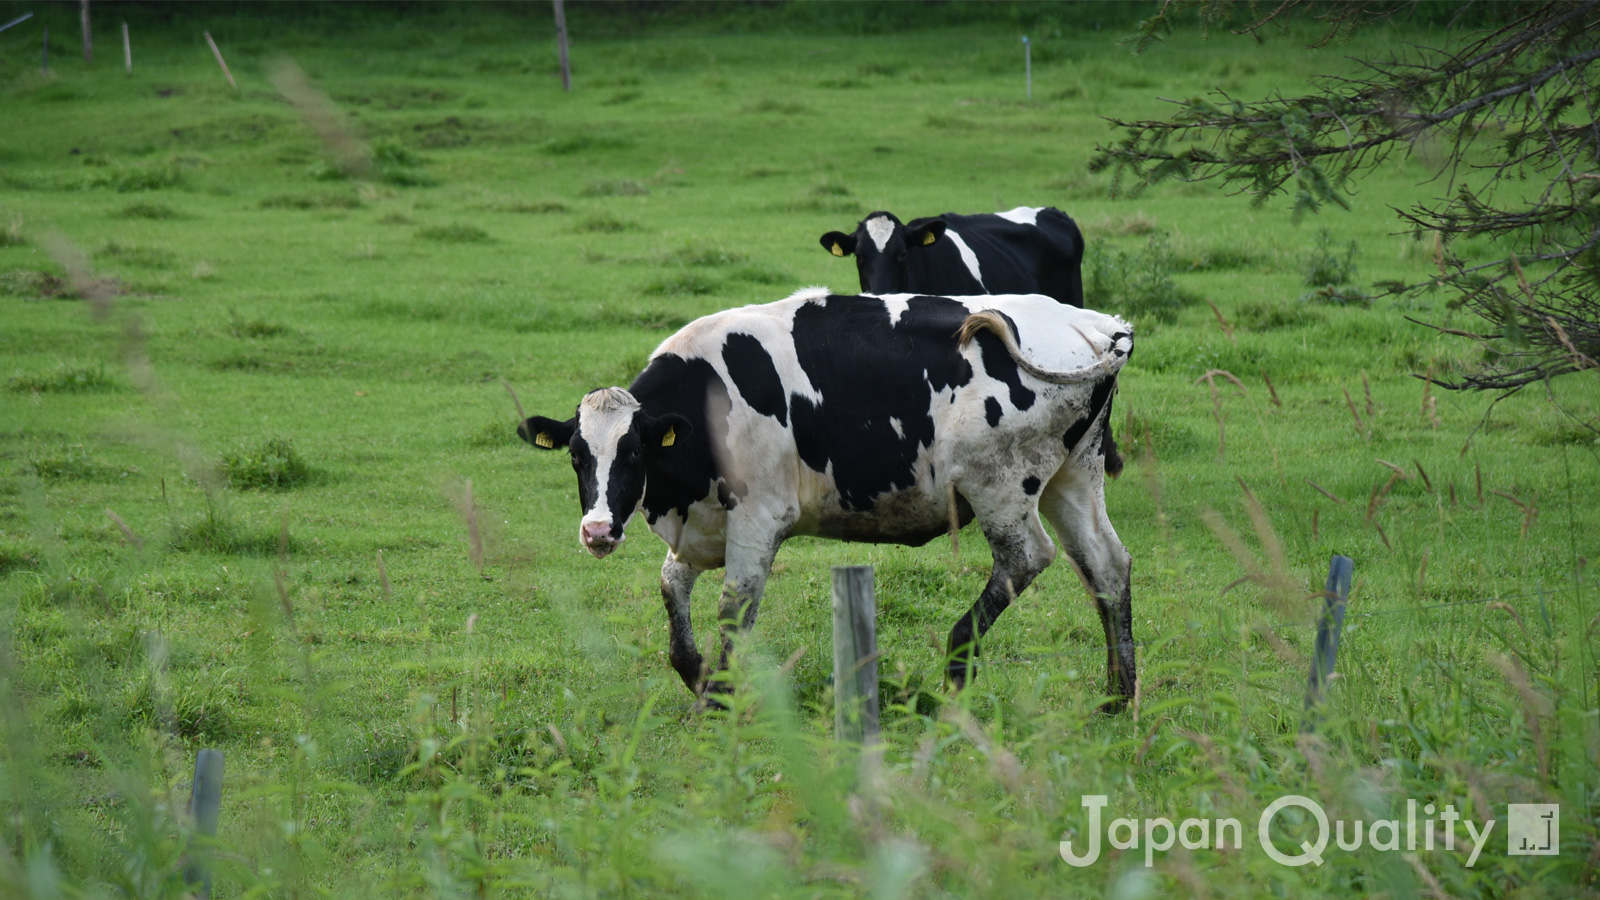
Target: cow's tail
[{"x": 1109, "y": 363}]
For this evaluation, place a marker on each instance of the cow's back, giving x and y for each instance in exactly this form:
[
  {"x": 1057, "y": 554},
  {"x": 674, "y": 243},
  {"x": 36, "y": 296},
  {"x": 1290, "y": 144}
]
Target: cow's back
[{"x": 1026, "y": 251}]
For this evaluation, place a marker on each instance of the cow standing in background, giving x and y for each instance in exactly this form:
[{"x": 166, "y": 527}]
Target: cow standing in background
[
  {"x": 872, "y": 419},
  {"x": 1028, "y": 250}
]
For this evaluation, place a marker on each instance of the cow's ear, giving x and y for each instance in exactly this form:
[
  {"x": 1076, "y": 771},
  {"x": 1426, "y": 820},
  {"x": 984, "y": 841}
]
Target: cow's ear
[
  {"x": 546, "y": 434},
  {"x": 925, "y": 234},
  {"x": 666, "y": 431},
  {"x": 838, "y": 243}
]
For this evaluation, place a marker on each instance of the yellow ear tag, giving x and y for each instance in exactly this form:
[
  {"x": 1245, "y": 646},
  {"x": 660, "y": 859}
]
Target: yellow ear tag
[
  {"x": 837, "y": 250},
  {"x": 929, "y": 238},
  {"x": 543, "y": 440},
  {"x": 670, "y": 438}
]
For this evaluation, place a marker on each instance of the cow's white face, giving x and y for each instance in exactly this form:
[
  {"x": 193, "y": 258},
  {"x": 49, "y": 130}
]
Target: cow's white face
[{"x": 611, "y": 441}]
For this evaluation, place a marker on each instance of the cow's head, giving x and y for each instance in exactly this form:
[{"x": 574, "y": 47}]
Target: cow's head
[
  {"x": 883, "y": 247},
  {"x": 610, "y": 440}
]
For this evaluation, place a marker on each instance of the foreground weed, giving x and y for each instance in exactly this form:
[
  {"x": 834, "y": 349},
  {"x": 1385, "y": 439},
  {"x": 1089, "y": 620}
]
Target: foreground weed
[{"x": 269, "y": 465}]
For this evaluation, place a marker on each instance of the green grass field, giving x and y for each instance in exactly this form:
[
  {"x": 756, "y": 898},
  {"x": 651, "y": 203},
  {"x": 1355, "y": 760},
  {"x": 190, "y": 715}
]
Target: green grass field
[{"x": 261, "y": 490}]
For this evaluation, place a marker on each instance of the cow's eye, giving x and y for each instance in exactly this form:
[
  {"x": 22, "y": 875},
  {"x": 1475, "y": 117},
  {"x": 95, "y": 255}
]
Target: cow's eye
[
  {"x": 901, "y": 257},
  {"x": 575, "y": 462},
  {"x": 635, "y": 453}
]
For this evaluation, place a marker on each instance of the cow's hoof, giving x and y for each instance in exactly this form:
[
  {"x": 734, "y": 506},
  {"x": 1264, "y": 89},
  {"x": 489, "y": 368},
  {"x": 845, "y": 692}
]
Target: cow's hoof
[
  {"x": 1114, "y": 706},
  {"x": 709, "y": 702}
]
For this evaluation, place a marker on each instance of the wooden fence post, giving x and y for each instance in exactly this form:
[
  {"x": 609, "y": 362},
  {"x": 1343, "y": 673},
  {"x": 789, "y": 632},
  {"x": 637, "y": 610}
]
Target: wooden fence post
[
  {"x": 127, "y": 50},
  {"x": 44, "y": 52},
  {"x": 88, "y": 36},
  {"x": 205, "y": 805},
  {"x": 1329, "y": 626},
  {"x": 855, "y": 656},
  {"x": 561, "y": 44}
]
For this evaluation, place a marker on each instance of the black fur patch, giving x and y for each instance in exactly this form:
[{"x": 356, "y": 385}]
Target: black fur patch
[
  {"x": 680, "y": 475},
  {"x": 868, "y": 372},
  {"x": 1030, "y": 485},
  {"x": 1001, "y": 367},
  {"x": 755, "y": 377},
  {"x": 1097, "y": 402},
  {"x": 991, "y": 411}
]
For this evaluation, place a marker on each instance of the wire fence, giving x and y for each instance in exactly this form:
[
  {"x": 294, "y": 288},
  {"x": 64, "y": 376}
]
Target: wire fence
[{"x": 1537, "y": 594}]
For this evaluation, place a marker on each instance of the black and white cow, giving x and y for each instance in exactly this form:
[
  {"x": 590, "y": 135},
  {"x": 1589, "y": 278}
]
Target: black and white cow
[
  {"x": 1028, "y": 250},
  {"x": 863, "y": 419}
]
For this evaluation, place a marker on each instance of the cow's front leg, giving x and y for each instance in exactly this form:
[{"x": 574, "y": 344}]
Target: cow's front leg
[
  {"x": 1022, "y": 549},
  {"x": 677, "y": 586}
]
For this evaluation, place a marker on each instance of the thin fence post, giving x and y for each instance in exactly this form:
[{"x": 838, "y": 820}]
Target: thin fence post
[
  {"x": 205, "y": 805},
  {"x": 218, "y": 54},
  {"x": 127, "y": 50},
  {"x": 561, "y": 44},
  {"x": 1027, "y": 63},
  {"x": 88, "y": 36},
  {"x": 1329, "y": 625},
  {"x": 855, "y": 656},
  {"x": 44, "y": 52}
]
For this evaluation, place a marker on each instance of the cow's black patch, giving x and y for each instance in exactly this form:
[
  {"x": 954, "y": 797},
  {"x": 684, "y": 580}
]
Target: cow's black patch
[
  {"x": 583, "y": 464},
  {"x": 869, "y": 371},
  {"x": 623, "y": 483},
  {"x": 991, "y": 411},
  {"x": 1030, "y": 485},
  {"x": 1098, "y": 398},
  {"x": 725, "y": 496},
  {"x": 682, "y": 474},
  {"x": 751, "y": 369},
  {"x": 1001, "y": 367}
]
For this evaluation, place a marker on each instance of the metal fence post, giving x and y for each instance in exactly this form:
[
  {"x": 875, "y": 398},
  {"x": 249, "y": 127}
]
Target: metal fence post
[
  {"x": 1329, "y": 625},
  {"x": 855, "y": 656},
  {"x": 1027, "y": 64}
]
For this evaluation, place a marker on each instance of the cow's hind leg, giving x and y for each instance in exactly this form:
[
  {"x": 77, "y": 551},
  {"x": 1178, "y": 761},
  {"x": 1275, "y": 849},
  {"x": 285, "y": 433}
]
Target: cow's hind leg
[
  {"x": 1074, "y": 502},
  {"x": 677, "y": 585},
  {"x": 1022, "y": 549}
]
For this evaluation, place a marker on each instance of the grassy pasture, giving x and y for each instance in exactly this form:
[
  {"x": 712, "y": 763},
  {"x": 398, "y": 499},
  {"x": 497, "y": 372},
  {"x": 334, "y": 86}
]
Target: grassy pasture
[{"x": 331, "y": 558}]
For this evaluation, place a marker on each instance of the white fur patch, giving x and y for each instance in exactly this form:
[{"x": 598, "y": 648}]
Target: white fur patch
[
  {"x": 805, "y": 294},
  {"x": 1022, "y": 215},
  {"x": 967, "y": 256},
  {"x": 880, "y": 229},
  {"x": 604, "y": 416},
  {"x": 897, "y": 304}
]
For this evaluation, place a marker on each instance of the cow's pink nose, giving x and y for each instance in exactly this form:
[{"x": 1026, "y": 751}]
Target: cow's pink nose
[{"x": 597, "y": 537}]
